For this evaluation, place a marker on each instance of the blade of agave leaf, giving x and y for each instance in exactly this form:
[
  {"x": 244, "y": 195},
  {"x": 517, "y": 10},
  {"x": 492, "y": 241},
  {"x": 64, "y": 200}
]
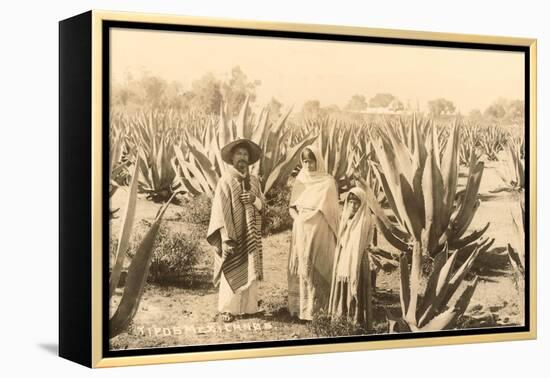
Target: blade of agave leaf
[
  {"x": 468, "y": 202},
  {"x": 261, "y": 130},
  {"x": 516, "y": 166},
  {"x": 462, "y": 224},
  {"x": 271, "y": 149},
  {"x": 395, "y": 241},
  {"x": 151, "y": 132},
  {"x": 180, "y": 179},
  {"x": 336, "y": 150},
  {"x": 449, "y": 171},
  {"x": 415, "y": 282},
  {"x": 521, "y": 168},
  {"x": 286, "y": 131},
  {"x": 404, "y": 291},
  {"x": 401, "y": 130},
  {"x": 284, "y": 169},
  {"x": 198, "y": 174},
  {"x": 432, "y": 185},
  {"x": 145, "y": 176},
  {"x": 520, "y": 230},
  {"x": 389, "y": 230},
  {"x": 410, "y": 185},
  {"x": 402, "y": 154},
  {"x": 435, "y": 140},
  {"x": 440, "y": 290},
  {"x": 330, "y": 148},
  {"x": 159, "y": 163},
  {"x": 169, "y": 174},
  {"x": 204, "y": 164},
  {"x": 441, "y": 321},
  {"x": 390, "y": 171},
  {"x": 241, "y": 120},
  {"x": 381, "y": 179},
  {"x": 344, "y": 154},
  {"x": 459, "y": 275},
  {"x": 445, "y": 274},
  {"x": 410, "y": 139},
  {"x": 125, "y": 232},
  {"x": 515, "y": 260},
  {"x": 281, "y": 121},
  {"x": 192, "y": 184},
  {"x": 219, "y": 164},
  {"x": 135, "y": 282},
  {"x": 153, "y": 169},
  {"x": 413, "y": 199},
  {"x": 375, "y": 207},
  {"x": 429, "y": 293},
  {"x": 461, "y": 243},
  {"x": 115, "y": 153},
  {"x": 420, "y": 152},
  {"x": 464, "y": 300},
  {"x": 224, "y": 134}
]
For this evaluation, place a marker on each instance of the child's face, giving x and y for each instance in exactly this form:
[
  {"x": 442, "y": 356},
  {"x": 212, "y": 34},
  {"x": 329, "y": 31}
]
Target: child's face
[
  {"x": 354, "y": 205},
  {"x": 310, "y": 164}
]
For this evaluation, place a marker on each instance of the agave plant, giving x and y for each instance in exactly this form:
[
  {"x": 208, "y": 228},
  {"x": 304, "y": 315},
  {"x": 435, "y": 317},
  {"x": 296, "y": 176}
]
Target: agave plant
[
  {"x": 199, "y": 165},
  {"x": 468, "y": 150},
  {"x": 517, "y": 250},
  {"x": 492, "y": 141},
  {"x": 421, "y": 190},
  {"x": 115, "y": 153},
  {"x": 138, "y": 269},
  {"x": 155, "y": 142},
  {"x": 336, "y": 146},
  {"x": 514, "y": 169},
  {"x": 436, "y": 308},
  {"x": 420, "y": 184}
]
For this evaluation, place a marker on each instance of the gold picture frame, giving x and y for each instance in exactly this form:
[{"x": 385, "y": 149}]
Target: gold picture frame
[{"x": 82, "y": 239}]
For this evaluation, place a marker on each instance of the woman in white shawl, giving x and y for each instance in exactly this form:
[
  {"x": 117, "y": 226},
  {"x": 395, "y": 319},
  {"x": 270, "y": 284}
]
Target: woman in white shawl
[
  {"x": 314, "y": 208},
  {"x": 350, "y": 295}
]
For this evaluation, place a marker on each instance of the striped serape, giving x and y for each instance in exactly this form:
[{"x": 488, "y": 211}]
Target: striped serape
[{"x": 242, "y": 225}]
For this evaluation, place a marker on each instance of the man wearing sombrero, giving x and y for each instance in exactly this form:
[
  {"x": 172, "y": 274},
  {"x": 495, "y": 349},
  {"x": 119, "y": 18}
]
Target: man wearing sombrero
[{"x": 235, "y": 231}]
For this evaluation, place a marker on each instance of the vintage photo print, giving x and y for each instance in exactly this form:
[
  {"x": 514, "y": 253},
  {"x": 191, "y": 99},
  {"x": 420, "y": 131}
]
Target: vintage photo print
[{"x": 270, "y": 188}]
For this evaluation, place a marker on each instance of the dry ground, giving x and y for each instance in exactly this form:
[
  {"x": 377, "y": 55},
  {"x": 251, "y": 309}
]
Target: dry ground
[{"x": 171, "y": 316}]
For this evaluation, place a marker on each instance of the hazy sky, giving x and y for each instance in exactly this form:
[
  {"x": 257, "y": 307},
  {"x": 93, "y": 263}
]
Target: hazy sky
[{"x": 294, "y": 71}]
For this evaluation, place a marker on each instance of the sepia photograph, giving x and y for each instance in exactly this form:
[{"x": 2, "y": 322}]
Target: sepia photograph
[{"x": 266, "y": 189}]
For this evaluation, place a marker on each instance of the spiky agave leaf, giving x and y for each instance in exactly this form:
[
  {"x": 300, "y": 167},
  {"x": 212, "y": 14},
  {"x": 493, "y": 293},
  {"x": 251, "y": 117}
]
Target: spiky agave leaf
[
  {"x": 514, "y": 169},
  {"x": 283, "y": 169},
  {"x": 125, "y": 231},
  {"x": 136, "y": 278}
]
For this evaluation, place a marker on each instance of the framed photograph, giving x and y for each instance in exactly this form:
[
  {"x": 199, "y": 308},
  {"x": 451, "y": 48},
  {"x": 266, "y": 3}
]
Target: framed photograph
[{"x": 235, "y": 189}]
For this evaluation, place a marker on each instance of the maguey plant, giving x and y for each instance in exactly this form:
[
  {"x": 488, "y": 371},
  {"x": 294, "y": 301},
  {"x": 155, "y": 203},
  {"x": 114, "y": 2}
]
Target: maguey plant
[
  {"x": 199, "y": 164},
  {"x": 422, "y": 192},
  {"x": 492, "y": 140},
  {"x": 513, "y": 169},
  {"x": 430, "y": 224},
  {"x": 151, "y": 135},
  {"x": 468, "y": 146},
  {"x": 138, "y": 270},
  {"x": 516, "y": 250}
]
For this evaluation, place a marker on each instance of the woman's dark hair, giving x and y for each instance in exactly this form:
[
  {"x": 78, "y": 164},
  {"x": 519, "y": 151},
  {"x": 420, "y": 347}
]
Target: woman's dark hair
[
  {"x": 307, "y": 154},
  {"x": 353, "y": 197}
]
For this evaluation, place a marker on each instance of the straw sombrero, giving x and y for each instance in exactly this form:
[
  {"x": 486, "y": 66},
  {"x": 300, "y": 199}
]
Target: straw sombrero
[{"x": 254, "y": 150}]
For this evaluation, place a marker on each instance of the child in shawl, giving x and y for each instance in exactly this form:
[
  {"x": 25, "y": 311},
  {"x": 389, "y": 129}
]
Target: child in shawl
[
  {"x": 351, "y": 285},
  {"x": 314, "y": 208}
]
